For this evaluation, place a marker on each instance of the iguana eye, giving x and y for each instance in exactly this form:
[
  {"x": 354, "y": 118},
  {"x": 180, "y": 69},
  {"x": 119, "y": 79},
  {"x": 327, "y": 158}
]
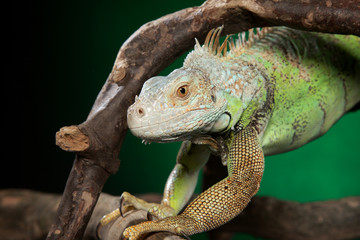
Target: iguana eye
[{"x": 182, "y": 91}]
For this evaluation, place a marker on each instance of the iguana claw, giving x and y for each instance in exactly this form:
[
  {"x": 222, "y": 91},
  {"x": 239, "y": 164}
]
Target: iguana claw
[
  {"x": 120, "y": 205},
  {"x": 154, "y": 210},
  {"x": 129, "y": 202}
]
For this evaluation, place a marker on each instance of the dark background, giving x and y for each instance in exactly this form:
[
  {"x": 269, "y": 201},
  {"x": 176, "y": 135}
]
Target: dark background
[{"x": 61, "y": 54}]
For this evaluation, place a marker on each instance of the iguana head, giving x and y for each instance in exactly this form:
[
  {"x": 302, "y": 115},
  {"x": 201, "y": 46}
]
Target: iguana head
[
  {"x": 177, "y": 107},
  {"x": 203, "y": 97}
]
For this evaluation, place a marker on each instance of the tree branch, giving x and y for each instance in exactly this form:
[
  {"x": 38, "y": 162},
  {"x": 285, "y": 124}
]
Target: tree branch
[
  {"x": 28, "y": 214},
  {"x": 149, "y": 50}
]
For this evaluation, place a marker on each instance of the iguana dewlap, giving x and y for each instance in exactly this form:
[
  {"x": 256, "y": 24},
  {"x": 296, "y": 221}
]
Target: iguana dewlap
[{"x": 270, "y": 94}]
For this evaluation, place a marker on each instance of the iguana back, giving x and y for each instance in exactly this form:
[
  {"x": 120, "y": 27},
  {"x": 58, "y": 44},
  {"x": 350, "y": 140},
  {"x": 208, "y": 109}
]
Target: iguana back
[{"x": 316, "y": 79}]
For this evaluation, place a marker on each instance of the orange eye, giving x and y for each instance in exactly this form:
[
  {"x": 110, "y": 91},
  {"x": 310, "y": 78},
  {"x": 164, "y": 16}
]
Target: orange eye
[{"x": 182, "y": 91}]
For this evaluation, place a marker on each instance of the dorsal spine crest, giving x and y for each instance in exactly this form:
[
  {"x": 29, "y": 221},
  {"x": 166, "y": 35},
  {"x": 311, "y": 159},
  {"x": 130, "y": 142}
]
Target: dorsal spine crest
[
  {"x": 212, "y": 43},
  {"x": 243, "y": 41}
]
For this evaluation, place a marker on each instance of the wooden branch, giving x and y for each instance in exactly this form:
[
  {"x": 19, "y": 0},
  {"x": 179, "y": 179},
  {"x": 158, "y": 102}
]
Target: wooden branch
[
  {"x": 276, "y": 219},
  {"x": 27, "y": 214},
  {"x": 114, "y": 230},
  {"x": 72, "y": 139},
  {"x": 149, "y": 50}
]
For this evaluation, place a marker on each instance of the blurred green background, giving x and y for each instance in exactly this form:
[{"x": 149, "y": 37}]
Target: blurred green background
[{"x": 61, "y": 55}]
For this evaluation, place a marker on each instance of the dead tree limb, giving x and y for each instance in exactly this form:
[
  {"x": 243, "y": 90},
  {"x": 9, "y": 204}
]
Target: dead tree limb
[
  {"x": 97, "y": 141},
  {"x": 28, "y": 214}
]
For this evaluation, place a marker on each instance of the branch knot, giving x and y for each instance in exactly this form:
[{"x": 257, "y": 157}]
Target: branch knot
[{"x": 71, "y": 139}]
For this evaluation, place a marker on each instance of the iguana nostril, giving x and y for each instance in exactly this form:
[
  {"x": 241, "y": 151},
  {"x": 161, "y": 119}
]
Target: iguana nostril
[{"x": 140, "y": 112}]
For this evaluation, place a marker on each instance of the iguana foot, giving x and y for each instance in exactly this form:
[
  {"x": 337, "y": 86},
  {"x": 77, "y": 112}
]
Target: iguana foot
[
  {"x": 129, "y": 202},
  {"x": 179, "y": 225}
]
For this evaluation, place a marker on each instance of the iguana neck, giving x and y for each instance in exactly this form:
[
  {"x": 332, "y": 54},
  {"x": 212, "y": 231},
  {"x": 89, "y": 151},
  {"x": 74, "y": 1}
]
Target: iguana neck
[{"x": 242, "y": 83}]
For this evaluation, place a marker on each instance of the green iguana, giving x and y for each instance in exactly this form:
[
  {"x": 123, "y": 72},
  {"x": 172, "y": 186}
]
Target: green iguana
[{"x": 271, "y": 93}]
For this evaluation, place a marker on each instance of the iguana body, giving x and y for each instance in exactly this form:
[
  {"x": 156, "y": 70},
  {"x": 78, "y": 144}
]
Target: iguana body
[{"x": 270, "y": 94}]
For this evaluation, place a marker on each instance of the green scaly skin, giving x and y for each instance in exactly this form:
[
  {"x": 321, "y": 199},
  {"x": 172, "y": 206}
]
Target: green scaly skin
[{"x": 274, "y": 95}]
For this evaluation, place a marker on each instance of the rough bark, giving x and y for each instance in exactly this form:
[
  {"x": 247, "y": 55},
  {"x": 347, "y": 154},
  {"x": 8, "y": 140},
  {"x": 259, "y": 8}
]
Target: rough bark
[
  {"x": 156, "y": 44},
  {"x": 28, "y": 215}
]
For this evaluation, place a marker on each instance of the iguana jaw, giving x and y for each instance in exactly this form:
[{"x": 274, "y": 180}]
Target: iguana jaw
[{"x": 192, "y": 126}]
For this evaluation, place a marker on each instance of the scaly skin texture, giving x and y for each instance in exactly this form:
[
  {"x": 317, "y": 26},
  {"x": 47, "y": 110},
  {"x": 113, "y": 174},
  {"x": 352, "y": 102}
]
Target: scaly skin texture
[
  {"x": 270, "y": 94},
  {"x": 312, "y": 90},
  {"x": 221, "y": 202}
]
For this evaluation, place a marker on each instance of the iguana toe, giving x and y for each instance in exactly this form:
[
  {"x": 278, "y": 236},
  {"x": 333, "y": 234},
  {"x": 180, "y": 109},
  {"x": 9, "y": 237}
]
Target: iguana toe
[{"x": 164, "y": 225}]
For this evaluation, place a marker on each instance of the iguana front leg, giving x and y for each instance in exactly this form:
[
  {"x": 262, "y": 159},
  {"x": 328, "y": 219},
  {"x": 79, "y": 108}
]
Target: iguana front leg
[
  {"x": 182, "y": 180},
  {"x": 221, "y": 202}
]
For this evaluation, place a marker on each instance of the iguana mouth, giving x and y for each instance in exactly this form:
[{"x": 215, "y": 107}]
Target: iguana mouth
[
  {"x": 132, "y": 120},
  {"x": 203, "y": 121},
  {"x": 164, "y": 131}
]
